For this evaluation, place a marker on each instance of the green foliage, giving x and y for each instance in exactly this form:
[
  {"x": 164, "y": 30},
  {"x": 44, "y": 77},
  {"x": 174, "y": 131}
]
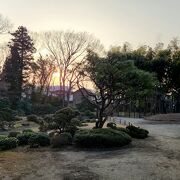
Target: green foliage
[
  {"x": 24, "y": 138},
  {"x": 61, "y": 140},
  {"x": 115, "y": 79},
  {"x": 7, "y": 143},
  {"x": 13, "y": 134},
  {"x": 18, "y": 65},
  {"x": 101, "y": 138},
  {"x": 39, "y": 139},
  {"x": 27, "y": 131},
  {"x": 64, "y": 116},
  {"x": 137, "y": 132},
  {"x": 4, "y": 103},
  {"x": 89, "y": 114},
  {"x": 33, "y": 118},
  {"x": 71, "y": 129},
  {"x": 89, "y": 121},
  {"x": 111, "y": 125},
  {"x": 7, "y": 114},
  {"x": 24, "y": 107}
]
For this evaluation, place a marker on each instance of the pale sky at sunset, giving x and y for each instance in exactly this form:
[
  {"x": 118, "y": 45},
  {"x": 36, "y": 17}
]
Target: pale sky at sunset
[{"x": 112, "y": 21}]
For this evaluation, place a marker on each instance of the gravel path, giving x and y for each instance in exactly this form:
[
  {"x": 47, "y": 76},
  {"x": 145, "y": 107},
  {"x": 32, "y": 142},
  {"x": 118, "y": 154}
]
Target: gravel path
[{"x": 155, "y": 158}]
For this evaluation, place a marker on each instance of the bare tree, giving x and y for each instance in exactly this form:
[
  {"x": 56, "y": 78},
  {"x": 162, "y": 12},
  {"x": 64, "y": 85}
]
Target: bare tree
[
  {"x": 5, "y": 24},
  {"x": 42, "y": 74},
  {"x": 68, "y": 48}
]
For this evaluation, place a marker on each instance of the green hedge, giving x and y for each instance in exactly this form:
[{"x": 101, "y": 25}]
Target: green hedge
[
  {"x": 134, "y": 132},
  {"x": 39, "y": 139},
  {"x": 24, "y": 138},
  {"x": 137, "y": 132},
  {"x": 101, "y": 138},
  {"x": 7, "y": 143}
]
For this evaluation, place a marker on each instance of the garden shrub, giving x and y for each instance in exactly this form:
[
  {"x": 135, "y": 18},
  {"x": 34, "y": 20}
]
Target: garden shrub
[
  {"x": 76, "y": 122},
  {"x": 7, "y": 114},
  {"x": 24, "y": 137},
  {"x": 33, "y": 118},
  {"x": 28, "y": 131},
  {"x": 64, "y": 116},
  {"x": 7, "y": 143},
  {"x": 89, "y": 121},
  {"x": 137, "y": 132},
  {"x": 89, "y": 114},
  {"x": 13, "y": 134},
  {"x": 24, "y": 107},
  {"x": 111, "y": 125},
  {"x": 39, "y": 139},
  {"x": 101, "y": 138},
  {"x": 48, "y": 118},
  {"x": 61, "y": 139},
  {"x": 71, "y": 129},
  {"x": 3, "y": 136}
]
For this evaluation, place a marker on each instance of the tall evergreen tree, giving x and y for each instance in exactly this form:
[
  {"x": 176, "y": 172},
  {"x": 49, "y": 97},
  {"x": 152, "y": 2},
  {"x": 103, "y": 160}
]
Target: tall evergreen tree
[{"x": 18, "y": 66}]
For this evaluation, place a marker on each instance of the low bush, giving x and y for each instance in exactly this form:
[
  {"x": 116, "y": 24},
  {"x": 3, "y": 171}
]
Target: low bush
[
  {"x": 13, "y": 134},
  {"x": 76, "y": 122},
  {"x": 39, "y": 139},
  {"x": 28, "y": 130},
  {"x": 89, "y": 121},
  {"x": 33, "y": 118},
  {"x": 24, "y": 137},
  {"x": 137, "y": 132},
  {"x": 101, "y": 138},
  {"x": 3, "y": 136},
  {"x": 61, "y": 140},
  {"x": 72, "y": 130},
  {"x": 111, "y": 125},
  {"x": 7, "y": 143}
]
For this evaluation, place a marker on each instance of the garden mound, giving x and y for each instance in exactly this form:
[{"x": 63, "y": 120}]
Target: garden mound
[{"x": 95, "y": 138}]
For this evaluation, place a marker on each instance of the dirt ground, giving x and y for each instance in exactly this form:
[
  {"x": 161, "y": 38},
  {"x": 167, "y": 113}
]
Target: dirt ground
[{"x": 155, "y": 158}]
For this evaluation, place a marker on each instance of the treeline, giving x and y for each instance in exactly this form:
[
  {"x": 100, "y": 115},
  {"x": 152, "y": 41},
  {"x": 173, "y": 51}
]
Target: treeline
[
  {"x": 164, "y": 63},
  {"x": 145, "y": 80}
]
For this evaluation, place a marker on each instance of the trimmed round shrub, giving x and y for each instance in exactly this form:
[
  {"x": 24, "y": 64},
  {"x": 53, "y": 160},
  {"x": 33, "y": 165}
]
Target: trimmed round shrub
[
  {"x": 28, "y": 130},
  {"x": 13, "y": 134},
  {"x": 24, "y": 138},
  {"x": 33, "y": 118},
  {"x": 39, "y": 139},
  {"x": 111, "y": 125},
  {"x": 101, "y": 138},
  {"x": 61, "y": 140},
  {"x": 7, "y": 143},
  {"x": 137, "y": 132}
]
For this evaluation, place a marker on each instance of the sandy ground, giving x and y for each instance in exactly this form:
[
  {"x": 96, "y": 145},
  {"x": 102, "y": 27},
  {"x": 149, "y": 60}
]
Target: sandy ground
[{"x": 155, "y": 158}]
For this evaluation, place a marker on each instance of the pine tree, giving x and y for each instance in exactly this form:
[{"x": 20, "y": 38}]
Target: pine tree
[{"x": 18, "y": 66}]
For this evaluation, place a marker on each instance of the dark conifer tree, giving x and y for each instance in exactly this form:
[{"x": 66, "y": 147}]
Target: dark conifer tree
[{"x": 18, "y": 66}]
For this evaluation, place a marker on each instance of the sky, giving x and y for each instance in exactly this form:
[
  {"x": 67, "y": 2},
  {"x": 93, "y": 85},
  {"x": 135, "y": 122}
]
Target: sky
[{"x": 112, "y": 21}]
